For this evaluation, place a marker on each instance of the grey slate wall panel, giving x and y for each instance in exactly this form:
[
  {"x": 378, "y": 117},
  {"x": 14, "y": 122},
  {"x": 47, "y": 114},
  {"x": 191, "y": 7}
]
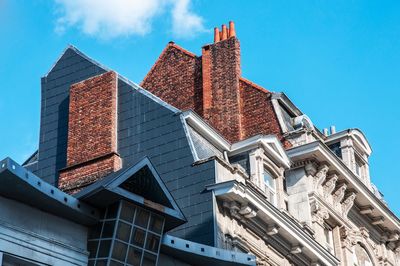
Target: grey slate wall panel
[
  {"x": 69, "y": 69},
  {"x": 145, "y": 128}
]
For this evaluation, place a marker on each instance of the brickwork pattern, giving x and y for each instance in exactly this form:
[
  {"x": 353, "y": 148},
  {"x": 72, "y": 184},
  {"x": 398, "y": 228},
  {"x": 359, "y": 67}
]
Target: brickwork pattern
[
  {"x": 92, "y": 139},
  {"x": 176, "y": 79}
]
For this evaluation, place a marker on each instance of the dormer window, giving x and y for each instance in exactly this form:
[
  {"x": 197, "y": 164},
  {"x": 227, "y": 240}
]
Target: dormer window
[{"x": 270, "y": 186}]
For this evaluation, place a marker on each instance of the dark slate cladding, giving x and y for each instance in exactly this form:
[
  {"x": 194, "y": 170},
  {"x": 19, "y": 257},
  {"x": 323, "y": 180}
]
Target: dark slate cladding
[
  {"x": 69, "y": 69},
  {"x": 147, "y": 128}
]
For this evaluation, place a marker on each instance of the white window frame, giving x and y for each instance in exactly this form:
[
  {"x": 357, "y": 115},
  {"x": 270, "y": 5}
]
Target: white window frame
[
  {"x": 268, "y": 189},
  {"x": 329, "y": 238}
]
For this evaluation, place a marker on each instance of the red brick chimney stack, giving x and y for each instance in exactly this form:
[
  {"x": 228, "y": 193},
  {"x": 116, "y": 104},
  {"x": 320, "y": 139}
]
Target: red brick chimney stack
[
  {"x": 92, "y": 132},
  {"x": 221, "y": 73}
]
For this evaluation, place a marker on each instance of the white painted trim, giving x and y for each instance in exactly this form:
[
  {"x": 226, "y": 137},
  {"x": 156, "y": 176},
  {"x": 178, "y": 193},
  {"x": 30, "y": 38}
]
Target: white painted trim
[
  {"x": 357, "y": 136},
  {"x": 189, "y": 138},
  {"x": 268, "y": 142},
  {"x": 205, "y": 130}
]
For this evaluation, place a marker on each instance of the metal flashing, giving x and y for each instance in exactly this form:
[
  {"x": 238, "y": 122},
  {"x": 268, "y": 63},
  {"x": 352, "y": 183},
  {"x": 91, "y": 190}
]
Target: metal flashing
[
  {"x": 199, "y": 254},
  {"x": 19, "y": 184}
]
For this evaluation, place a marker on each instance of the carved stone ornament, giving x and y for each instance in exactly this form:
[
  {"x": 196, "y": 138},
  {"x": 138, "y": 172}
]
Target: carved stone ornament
[
  {"x": 347, "y": 237},
  {"x": 339, "y": 193},
  {"x": 319, "y": 213},
  {"x": 329, "y": 185},
  {"x": 320, "y": 176},
  {"x": 348, "y": 202}
]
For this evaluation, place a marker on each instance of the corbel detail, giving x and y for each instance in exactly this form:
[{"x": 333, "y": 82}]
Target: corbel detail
[
  {"x": 320, "y": 176},
  {"x": 348, "y": 202},
  {"x": 329, "y": 185},
  {"x": 338, "y": 195}
]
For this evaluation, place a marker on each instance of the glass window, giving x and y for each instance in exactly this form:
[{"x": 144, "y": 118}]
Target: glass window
[
  {"x": 134, "y": 256},
  {"x": 108, "y": 229},
  {"x": 138, "y": 236},
  {"x": 336, "y": 149},
  {"x": 119, "y": 250},
  {"x": 152, "y": 242},
  {"x": 123, "y": 231},
  {"x": 127, "y": 212},
  {"x": 149, "y": 259},
  {"x": 104, "y": 248},
  {"x": 156, "y": 223},
  {"x": 328, "y": 238},
  {"x": 269, "y": 182},
  {"x": 142, "y": 218},
  {"x": 268, "y": 179}
]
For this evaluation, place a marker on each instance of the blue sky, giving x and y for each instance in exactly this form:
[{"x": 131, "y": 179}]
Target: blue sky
[{"x": 339, "y": 61}]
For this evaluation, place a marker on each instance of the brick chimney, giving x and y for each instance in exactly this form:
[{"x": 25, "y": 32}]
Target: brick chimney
[
  {"x": 221, "y": 73},
  {"x": 92, "y": 132}
]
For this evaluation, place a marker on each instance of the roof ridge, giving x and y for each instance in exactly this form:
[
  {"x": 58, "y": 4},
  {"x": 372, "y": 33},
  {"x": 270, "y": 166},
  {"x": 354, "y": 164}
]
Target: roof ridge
[
  {"x": 254, "y": 85},
  {"x": 170, "y": 44}
]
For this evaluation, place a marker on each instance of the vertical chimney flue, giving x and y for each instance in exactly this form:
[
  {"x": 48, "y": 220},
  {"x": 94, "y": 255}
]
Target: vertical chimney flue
[
  {"x": 232, "y": 32},
  {"x": 224, "y": 33},
  {"x": 216, "y": 35}
]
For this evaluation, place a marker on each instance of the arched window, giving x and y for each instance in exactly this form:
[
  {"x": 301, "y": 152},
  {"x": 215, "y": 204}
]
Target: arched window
[{"x": 361, "y": 256}]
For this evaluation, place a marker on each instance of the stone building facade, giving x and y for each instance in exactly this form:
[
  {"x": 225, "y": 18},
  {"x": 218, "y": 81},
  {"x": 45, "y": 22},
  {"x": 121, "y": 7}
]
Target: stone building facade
[{"x": 197, "y": 166}]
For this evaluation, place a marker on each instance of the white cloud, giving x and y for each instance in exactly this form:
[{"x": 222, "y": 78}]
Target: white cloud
[{"x": 114, "y": 18}]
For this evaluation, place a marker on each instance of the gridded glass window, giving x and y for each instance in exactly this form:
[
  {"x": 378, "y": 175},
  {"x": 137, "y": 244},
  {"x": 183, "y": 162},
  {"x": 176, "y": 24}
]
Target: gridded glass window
[{"x": 127, "y": 234}]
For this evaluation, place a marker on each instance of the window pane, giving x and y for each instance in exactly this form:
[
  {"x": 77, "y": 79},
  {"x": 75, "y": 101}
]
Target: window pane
[
  {"x": 123, "y": 231},
  {"x": 101, "y": 263},
  {"x": 112, "y": 211},
  {"x": 127, "y": 212},
  {"x": 152, "y": 242},
  {"x": 108, "y": 229},
  {"x": 268, "y": 180},
  {"x": 156, "y": 223},
  {"x": 149, "y": 259},
  {"x": 138, "y": 236},
  {"x": 115, "y": 263},
  {"x": 142, "y": 218},
  {"x": 104, "y": 249},
  {"x": 134, "y": 256},
  {"x": 94, "y": 231},
  {"x": 92, "y": 248},
  {"x": 119, "y": 251}
]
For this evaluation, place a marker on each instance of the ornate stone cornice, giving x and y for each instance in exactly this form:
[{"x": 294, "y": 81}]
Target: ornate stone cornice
[
  {"x": 338, "y": 195},
  {"x": 348, "y": 202},
  {"x": 319, "y": 212},
  {"x": 320, "y": 176},
  {"x": 329, "y": 185}
]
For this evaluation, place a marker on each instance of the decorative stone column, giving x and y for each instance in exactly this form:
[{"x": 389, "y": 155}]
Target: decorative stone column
[{"x": 319, "y": 215}]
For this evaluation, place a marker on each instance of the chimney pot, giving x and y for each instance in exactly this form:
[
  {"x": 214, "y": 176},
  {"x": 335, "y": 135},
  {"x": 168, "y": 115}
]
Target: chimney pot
[
  {"x": 333, "y": 130},
  {"x": 216, "y": 35},
  {"x": 326, "y": 132},
  {"x": 224, "y": 33},
  {"x": 232, "y": 32}
]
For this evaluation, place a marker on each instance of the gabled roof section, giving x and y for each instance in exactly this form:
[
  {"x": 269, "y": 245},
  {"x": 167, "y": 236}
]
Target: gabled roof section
[
  {"x": 19, "y": 184},
  {"x": 71, "y": 48},
  {"x": 140, "y": 184},
  {"x": 170, "y": 45},
  {"x": 357, "y": 135}
]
